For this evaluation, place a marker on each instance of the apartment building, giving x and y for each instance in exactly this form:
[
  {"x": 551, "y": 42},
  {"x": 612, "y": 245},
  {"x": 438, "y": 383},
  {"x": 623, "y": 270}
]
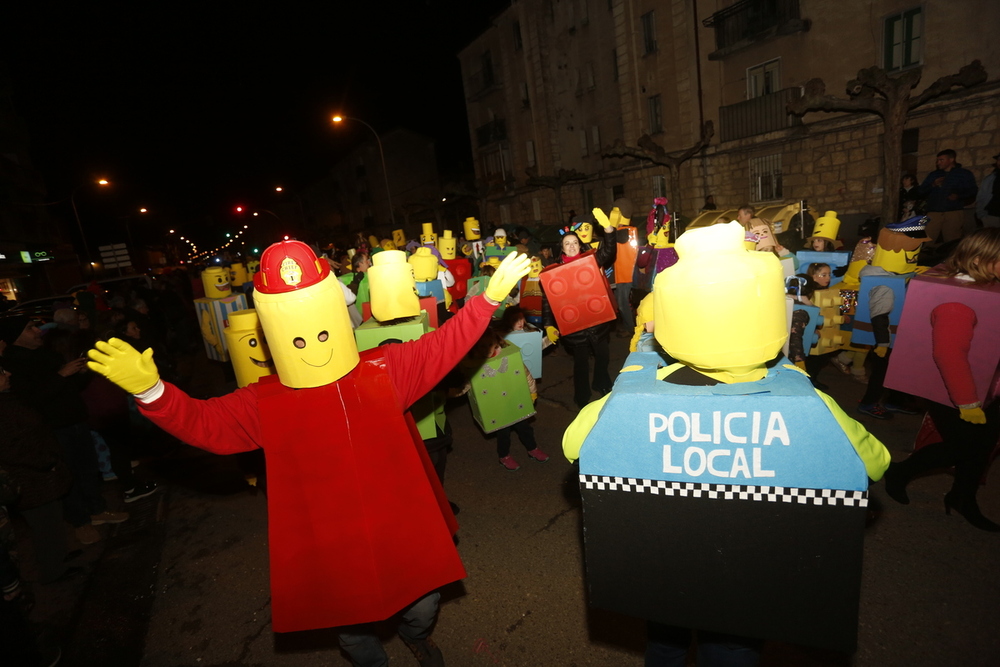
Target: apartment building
[{"x": 553, "y": 84}]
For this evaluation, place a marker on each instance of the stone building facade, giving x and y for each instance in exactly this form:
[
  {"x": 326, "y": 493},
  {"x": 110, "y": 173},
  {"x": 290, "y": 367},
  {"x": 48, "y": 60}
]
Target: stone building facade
[{"x": 554, "y": 83}]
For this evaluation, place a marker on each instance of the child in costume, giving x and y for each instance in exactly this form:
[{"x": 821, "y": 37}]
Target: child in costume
[
  {"x": 360, "y": 530},
  {"x": 487, "y": 347}
]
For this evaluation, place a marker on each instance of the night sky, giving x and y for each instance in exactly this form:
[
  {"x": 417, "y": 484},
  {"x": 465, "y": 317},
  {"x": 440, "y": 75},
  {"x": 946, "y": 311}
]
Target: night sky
[{"x": 191, "y": 109}]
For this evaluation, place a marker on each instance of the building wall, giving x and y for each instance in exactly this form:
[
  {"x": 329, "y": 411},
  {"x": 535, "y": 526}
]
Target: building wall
[{"x": 832, "y": 160}]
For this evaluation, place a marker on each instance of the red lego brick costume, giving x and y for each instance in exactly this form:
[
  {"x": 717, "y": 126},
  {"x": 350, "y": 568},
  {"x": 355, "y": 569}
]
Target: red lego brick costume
[{"x": 342, "y": 549}]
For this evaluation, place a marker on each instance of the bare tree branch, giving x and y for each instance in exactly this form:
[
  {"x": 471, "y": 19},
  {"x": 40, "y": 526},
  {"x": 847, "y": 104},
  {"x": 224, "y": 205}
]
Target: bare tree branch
[{"x": 971, "y": 75}]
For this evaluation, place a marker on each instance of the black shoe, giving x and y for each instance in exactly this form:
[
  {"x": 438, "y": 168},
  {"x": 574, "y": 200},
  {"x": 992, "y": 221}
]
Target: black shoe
[
  {"x": 426, "y": 652},
  {"x": 895, "y": 485},
  {"x": 969, "y": 510},
  {"x": 140, "y": 491}
]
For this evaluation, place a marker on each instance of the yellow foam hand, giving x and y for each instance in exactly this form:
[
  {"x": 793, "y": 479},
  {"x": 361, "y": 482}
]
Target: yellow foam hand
[
  {"x": 617, "y": 219},
  {"x": 513, "y": 267},
  {"x": 881, "y": 352},
  {"x": 552, "y": 334},
  {"x": 122, "y": 364},
  {"x": 603, "y": 220},
  {"x": 972, "y": 415}
]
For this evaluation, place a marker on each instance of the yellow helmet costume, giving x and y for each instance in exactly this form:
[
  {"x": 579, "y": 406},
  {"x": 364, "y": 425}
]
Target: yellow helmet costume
[
  {"x": 248, "y": 349},
  {"x": 215, "y": 280},
  {"x": 392, "y": 287},
  {"x": 304, "y": 316},
  {"x": 725, "y": 324}
]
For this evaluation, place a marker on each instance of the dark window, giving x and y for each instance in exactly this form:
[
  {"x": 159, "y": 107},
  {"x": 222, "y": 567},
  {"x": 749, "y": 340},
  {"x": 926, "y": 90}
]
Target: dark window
[
  {"x": 517, "y": 36},
  {"x": 910, "y": 148},
  {"x": 487, "y": 62},
  {"x": 904, "y": 38},
  {"x": 655, "y": 114},
  {"x": 765, "y": 178},
  {"x": 648, "y": 33},
  {"x": 618, "y": 192}
]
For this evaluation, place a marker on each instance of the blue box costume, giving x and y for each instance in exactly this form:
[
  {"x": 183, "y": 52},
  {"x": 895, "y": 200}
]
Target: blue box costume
[{"x": 761, "y": 481}]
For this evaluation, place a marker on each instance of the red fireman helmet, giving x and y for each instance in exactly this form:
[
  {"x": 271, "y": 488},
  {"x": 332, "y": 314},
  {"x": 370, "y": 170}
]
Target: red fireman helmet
[{"x": 287, "y": 266}]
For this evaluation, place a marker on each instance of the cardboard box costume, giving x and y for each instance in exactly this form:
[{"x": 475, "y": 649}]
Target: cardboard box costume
[
  {"x": 578, "y": 294},
  {"x": 499, "y": 395},
  {"x": 761, "y": 482},
  {"x": 912, "y": 367},
  {"x": 336, "y": 523}
]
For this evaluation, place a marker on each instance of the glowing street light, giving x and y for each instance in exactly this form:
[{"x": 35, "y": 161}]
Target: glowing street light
[
  {"x": 381, "y": 154},
  {"x": 103, "y": 182}
]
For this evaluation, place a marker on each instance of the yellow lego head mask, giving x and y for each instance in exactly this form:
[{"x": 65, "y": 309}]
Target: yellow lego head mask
[
  {"x": 725, "y": 323},
  {"x": 248, "y": 349},
  {"x": 304, "y": 316},
  {"x": 252, "y": 267},
  {"x": 373, "y": 242},
  {"x": 827, "y": 227},
  {"x": 399, "y": 238},
  {"x": 446, "y": 245},
  {"x": 238, "y": 274},
  {"x": 471, "y": 227},
  {"x": 494, "y": 261},
  {"x": 536, "y": 267},
  {"x": 427, "y": 236},
  {"x": 586, "y": 233},
  {"x": 500, "y": 237},
  {"x": 391, "y": 287},
  {"x": 387, "y": 244},
  {"x": 215, "y": 280},
  {"x": 425, "y": 264},
  {"x": 899, "y": 245}
]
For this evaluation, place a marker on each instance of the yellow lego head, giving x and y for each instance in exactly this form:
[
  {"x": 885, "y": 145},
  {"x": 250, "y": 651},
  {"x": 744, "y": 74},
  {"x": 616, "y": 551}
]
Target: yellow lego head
[
  {"x": 536, "y": 267},
  {"x": 399, "y": 238},
  {"x": 387, "y": 244},
  {"x": 425, "y": 264},
  {"x": 500, "y": 237},
  {"x": 252, "y": 267},
  {"x": 446, "y": 244},
  {"x": 728, "y": 322},
  {"x": 494, "y": 261},
  {"x": 238, "y": 274},
  {"x": 248, "y": 349},
  {"x": 427, "y": 236},
  {"x": 471, "y": 227},
  {"x": 391, "y": 287},
  {"x": 586, "y": 233},
  {"x": 215, "y": 280},
  {"x": 373, "y": 242},
  {"x": 827, "y": 227},
  {"x": 304, "y": 317}
]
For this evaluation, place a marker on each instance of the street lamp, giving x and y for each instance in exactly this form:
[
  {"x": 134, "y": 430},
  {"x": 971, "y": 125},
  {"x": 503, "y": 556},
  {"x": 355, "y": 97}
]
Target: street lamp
[
  {"x": 385, "y": 172},
  {"x": 72, "y": 200}
]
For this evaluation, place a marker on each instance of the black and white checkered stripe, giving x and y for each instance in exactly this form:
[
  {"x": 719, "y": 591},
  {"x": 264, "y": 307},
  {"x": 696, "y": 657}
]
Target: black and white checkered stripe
[{"x": 771, "y": 494}]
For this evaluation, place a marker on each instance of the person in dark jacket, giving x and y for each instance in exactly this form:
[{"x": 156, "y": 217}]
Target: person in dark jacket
[
  {"x": 947, "y": 190},
  {"x": 51, "y": 387},
  {"x": 30, "y": 454},
  {"x": 593, "y": 340}
]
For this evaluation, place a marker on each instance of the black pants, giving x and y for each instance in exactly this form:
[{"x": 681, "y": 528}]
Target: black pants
[
  {"x": 524, "y": 432},
  {"x": 581, "y": 368},
  {"x": 963, "y": 445}
]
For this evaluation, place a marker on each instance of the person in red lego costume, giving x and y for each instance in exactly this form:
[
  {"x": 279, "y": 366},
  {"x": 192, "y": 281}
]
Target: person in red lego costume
[{"x": 359, "y": 528}]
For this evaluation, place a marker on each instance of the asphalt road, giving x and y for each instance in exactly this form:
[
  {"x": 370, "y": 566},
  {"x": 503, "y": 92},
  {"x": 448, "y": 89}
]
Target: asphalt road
[{"x": 189, "y": 586}]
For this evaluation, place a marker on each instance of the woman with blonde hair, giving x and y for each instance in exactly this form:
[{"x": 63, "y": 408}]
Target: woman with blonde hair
[{"x": 969, "y": 428}]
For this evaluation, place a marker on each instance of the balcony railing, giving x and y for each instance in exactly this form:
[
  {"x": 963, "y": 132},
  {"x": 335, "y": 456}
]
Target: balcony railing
[
  {"x": 749, "y": 20},
  {"x": 491, "y": 132},
  {"x": 766, "y": 113}
]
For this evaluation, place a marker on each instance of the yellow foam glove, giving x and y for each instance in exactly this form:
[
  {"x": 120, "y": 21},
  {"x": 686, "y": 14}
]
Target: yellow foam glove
[
  {"x": 122, "y": 364},
  {"x": 972, "y": 415},
  {"x": 881, "y": 352},
  {"x": 607, "y": 222},
  {"x": 552, "y": 334},
  {"x": 513, "y": 267}
]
